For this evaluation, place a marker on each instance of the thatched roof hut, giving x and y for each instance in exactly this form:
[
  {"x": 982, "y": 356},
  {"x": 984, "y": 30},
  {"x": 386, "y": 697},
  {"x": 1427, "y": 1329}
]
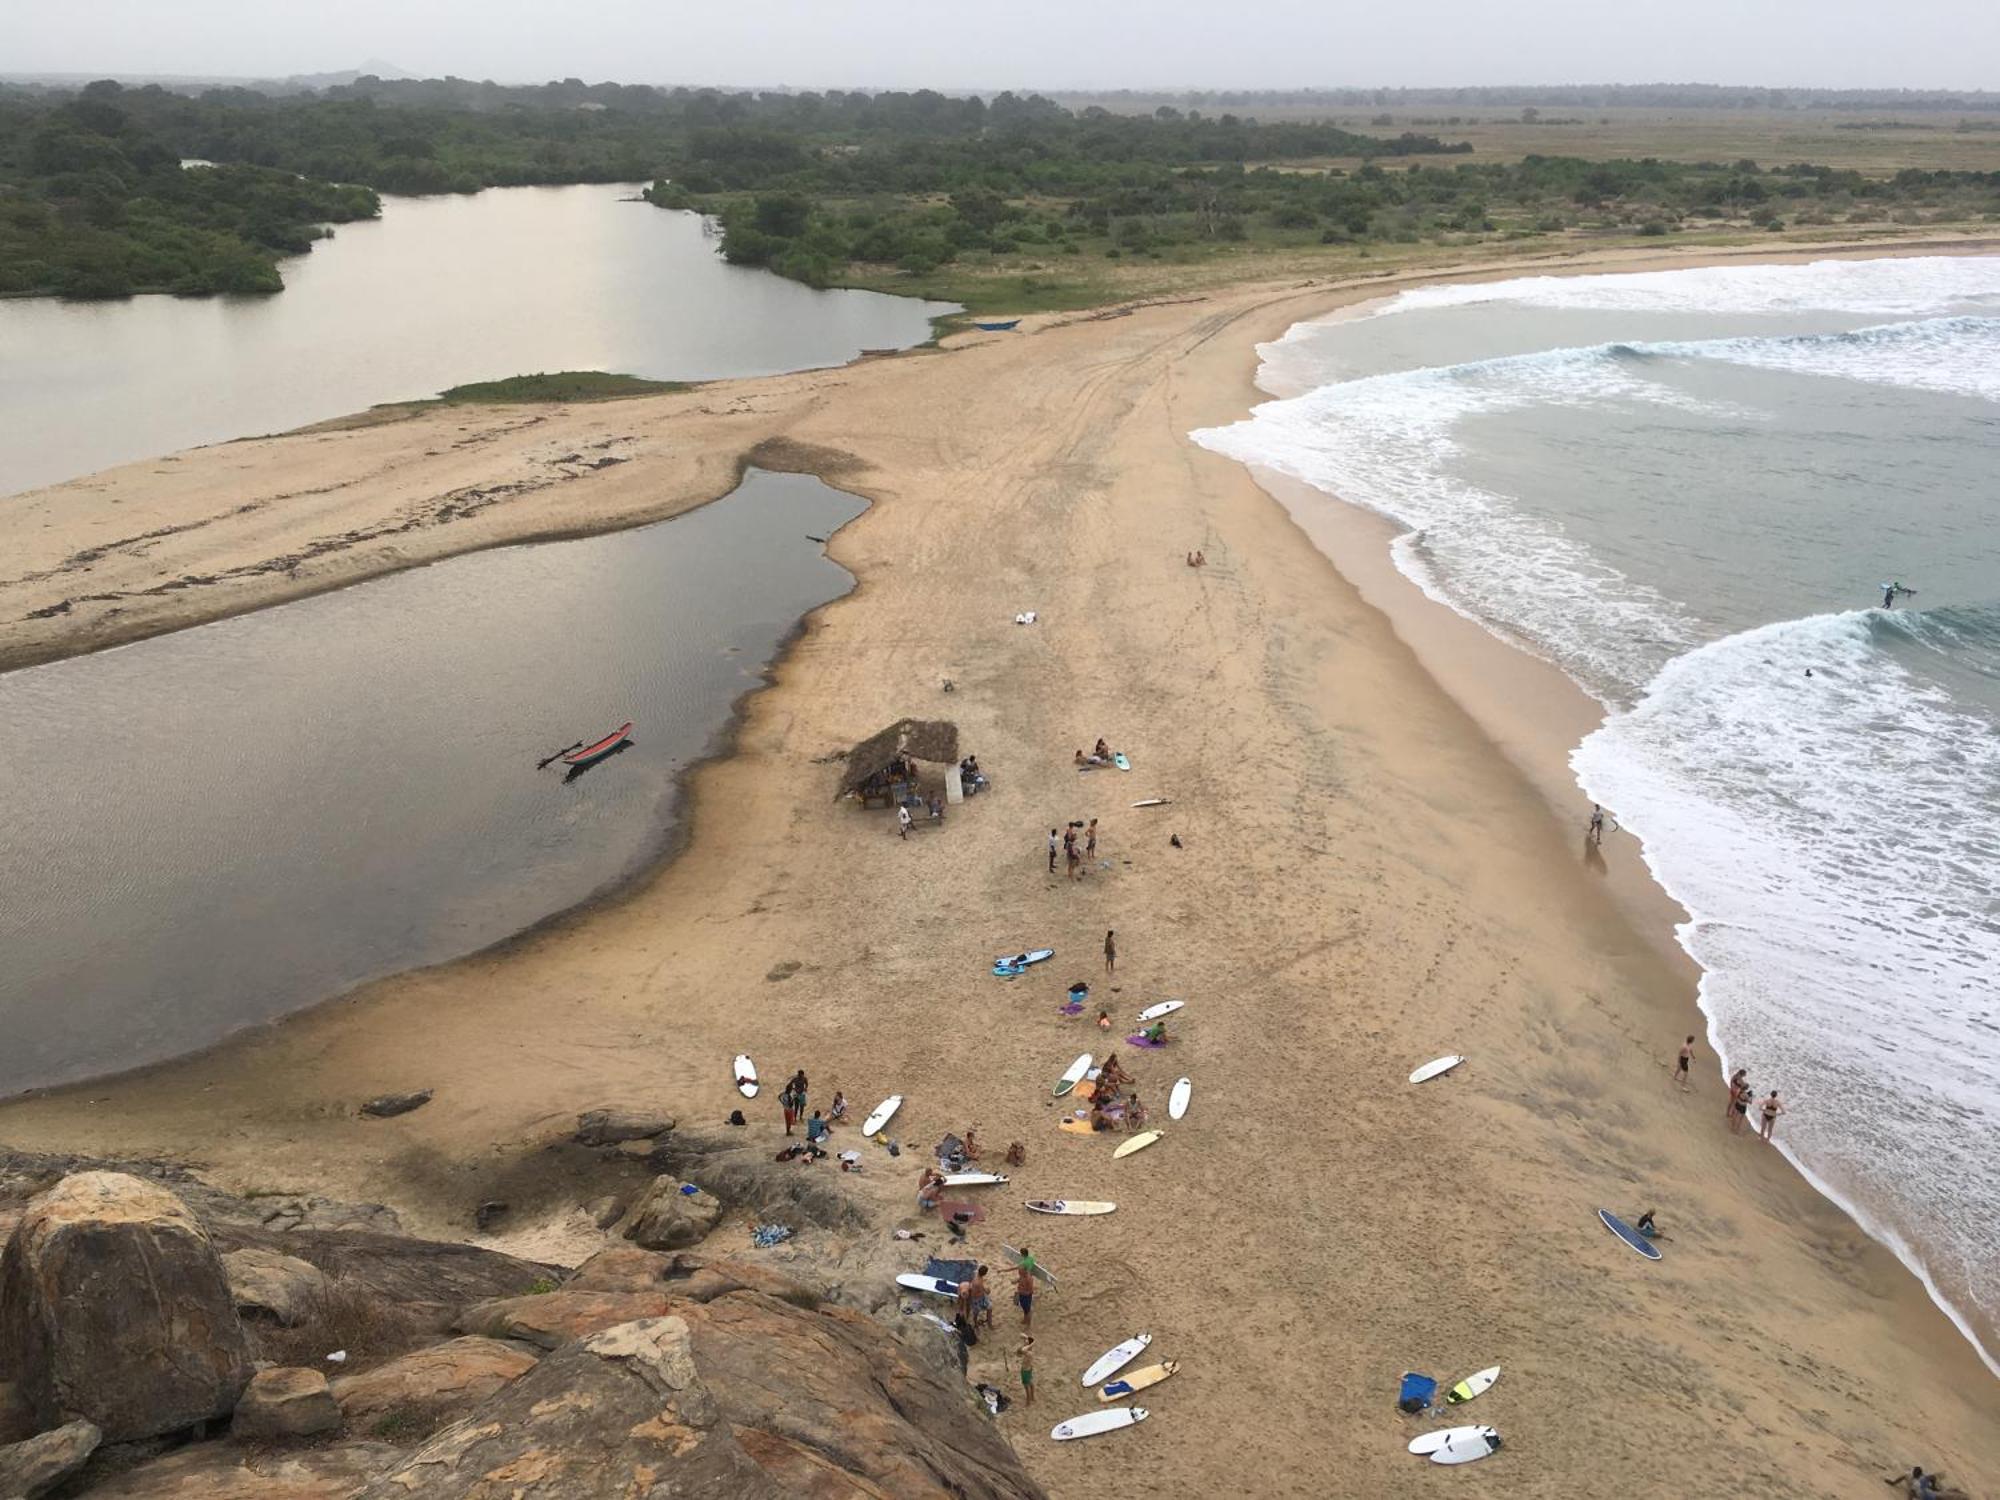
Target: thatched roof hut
[{"x": 914, "y": 739}]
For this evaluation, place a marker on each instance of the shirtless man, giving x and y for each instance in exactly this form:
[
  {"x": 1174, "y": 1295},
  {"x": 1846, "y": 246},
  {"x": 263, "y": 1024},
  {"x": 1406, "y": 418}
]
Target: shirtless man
[
  {"x": 980, "y": 1300},
  {"x": 1025, "y": 1354},
  {"x": 1681, "y": 1069},
  {"x": 1024, "y": 1293}
]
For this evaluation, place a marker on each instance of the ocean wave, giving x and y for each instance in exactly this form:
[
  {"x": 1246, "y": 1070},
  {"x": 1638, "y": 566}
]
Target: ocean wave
[
  {"x": 1906, "y": 286},
  {"x": 1833, "y": 838},
  {"x": 1956, "y": 355}
]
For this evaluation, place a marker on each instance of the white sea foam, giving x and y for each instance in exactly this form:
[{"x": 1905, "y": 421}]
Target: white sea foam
[
  {"x": 1957, "y": 355},
  {"x": 1834, "y": 839},
  {"x": 1909, "y": 286}
]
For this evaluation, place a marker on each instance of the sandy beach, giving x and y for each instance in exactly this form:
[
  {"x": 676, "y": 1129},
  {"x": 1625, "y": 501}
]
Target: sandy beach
[{"x": 1367, "y": 881}]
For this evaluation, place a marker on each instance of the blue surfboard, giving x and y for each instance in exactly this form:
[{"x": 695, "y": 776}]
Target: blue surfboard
[{"x": 1629, "y": 1235}]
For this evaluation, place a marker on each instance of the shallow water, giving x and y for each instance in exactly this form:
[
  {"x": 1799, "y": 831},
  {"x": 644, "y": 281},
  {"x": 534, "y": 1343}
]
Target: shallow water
[
  {"x": 213, "y": 828},
  {"x": 437, "y": 292},
  {"x": 1686, "y": 489}
]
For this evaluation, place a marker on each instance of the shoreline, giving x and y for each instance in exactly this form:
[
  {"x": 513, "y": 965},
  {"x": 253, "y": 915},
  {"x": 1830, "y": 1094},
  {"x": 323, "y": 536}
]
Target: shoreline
[{"x": 1376, "y": 808}]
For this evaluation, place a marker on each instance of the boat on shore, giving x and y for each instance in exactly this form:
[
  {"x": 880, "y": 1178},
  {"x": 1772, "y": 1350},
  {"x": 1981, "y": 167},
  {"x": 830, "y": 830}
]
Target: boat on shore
[
  {"x": 1007, "y": 327},
  {"x": 591, "y": 754}
]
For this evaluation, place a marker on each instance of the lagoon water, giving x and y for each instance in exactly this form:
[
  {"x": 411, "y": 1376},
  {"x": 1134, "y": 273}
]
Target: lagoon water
[
  {"x": 213, "y": 828},
  {"x": 1686, "y": 489},
  {"x": 437, "y": 292}
]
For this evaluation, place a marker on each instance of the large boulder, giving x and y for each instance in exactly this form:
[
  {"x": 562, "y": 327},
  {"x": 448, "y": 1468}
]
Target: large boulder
[
  {"x": 228, "y": 1471},
  {"x": 428, "y": 1278},
  {"x": 608, "y": 1127},
  {"x": 745, "y": 1396},
  {"x": 114, "y": 1308},
  {"x": 268, "y": 1284},
  {"x": 33, "y": 1468},
  {"x": 669, "y": 1217},
  {"x": 552, "y": 1319},
  {"x": 285, "y": 1403},
  {"x": 17, "y": 1421},
  {"x": 427, "y": 1384}
]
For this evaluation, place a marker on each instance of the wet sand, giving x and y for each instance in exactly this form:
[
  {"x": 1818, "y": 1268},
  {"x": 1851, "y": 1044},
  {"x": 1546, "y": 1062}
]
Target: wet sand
[{"x": 1366, "y": 882}]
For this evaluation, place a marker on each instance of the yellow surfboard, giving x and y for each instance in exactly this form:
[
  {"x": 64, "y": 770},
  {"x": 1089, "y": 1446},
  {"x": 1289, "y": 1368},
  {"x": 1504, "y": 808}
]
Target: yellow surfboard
[
  {"x": 1075, "y": 1127},
  {"x": 1139, "y": 1142},
  {"x": 1138, "y": 1380}
]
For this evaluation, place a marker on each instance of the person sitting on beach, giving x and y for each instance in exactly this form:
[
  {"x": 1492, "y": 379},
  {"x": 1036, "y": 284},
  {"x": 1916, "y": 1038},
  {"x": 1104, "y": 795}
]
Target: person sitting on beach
[
  {"x": 1156, "y": 1033},
  {"x": 971, "y": 1144},
  {"x": 1112, "y": 1074},
  {"x": 816, "y": 1129},
  {"x": 1917, "y": 1485},
  {"x": 1646, "y": 1226},
  {"x": 1099, "y": 1120},
  {"x": 930, "y": 1188},
  {"x": 1102, "y": 753},
  {"x": 1104, "y": 1020},
  {"x": 837, "y": 1114},
  {"x": 1135, "y": 1113}
]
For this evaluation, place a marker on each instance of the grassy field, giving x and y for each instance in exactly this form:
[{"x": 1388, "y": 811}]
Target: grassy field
[{"x": 561, "y": 385}]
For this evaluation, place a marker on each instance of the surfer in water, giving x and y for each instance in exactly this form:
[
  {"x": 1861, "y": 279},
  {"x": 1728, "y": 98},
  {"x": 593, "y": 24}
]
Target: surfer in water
[{"x": 1890, "y": 591}]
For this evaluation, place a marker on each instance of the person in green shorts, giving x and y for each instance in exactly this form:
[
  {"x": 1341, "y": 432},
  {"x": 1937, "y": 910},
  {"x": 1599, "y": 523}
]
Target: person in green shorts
[{"x": 1026, "y": 1355}]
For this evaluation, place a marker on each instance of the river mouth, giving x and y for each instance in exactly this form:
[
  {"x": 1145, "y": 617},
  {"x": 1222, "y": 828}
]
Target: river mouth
[{"x": 219, "y": 827}]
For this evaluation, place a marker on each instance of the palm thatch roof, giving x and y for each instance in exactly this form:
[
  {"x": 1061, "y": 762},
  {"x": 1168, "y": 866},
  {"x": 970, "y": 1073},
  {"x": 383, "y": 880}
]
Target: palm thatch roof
[{"x": 919, "y": 739}]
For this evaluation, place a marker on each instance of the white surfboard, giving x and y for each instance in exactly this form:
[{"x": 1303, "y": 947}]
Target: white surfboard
[
  {"x": 1152, "y": 802},
  {"x": 1429, "y": 1442},
  {"x": 1041, "y": 1272},
  {"x": 1014, "y": 963},
  {"x": 1467, "y": 1447},
  {"x": 1164, "y": 1008},
  {"x": 1437, "y": 1067},
  {"x": 1177, "y": 1101},
  {"x": 974, "y": 1179},
  {"x": 1121, "y": 761},
  {"x": 1079, "y": 1206},
  {"x": 1073, "y": 1074},
  {"x": 1139, "y": 1142},
  {"x": 1473, "y": 1385},
  {"x": 883, "y": 1112},
  {"x": 1134, "y": 1381},
  {"x": 1093, "y": 1422},
  {"x": 1111, "y": 1361},
  {"x": 935, "y": 1285},
  {"x": 746, "y": 1076}
]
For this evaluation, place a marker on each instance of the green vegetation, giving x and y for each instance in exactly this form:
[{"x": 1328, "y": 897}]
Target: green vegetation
[
  {"x": 1014, "y": 203},
  {"x": 562, "y": 385}
]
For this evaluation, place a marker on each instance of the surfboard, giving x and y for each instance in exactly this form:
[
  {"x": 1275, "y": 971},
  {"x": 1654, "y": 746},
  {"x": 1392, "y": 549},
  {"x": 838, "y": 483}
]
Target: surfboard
[
  {"x": 1629, "y": 1235},
  {"x": 883, "y": 1112},
  {"x": 1040, "y": 1272},
  {"x": 934, "y": 1285},
  {"x": 1121, "y": 762},
  {"x": 1138, "y": 1380},
  {"x": 1473, "y": 1385},
  {"x": 1177, "y": 1101},
  {"x": 1075, "y": 1127},
  {"x": 974, "y": 1179},
  {"x": 1139, "y": 1142},
  {"x": 1164, "y": 1008},
  {"x": 1073, "y": 1074},
  {"x": 1112, "y": 1360},
  {"x": 1430, "y": 1442},
  {"x": 1468, "y": 1447},
  {"x": 1437, "y": 1067},
  {"x": 1067, "y": 1206},
  {"x": 1152, "y": 802},
  {"x": 1008, "y": 965},
  {"x": 1093, "y": 1422},
  {"x": 746, "y": 1077}
]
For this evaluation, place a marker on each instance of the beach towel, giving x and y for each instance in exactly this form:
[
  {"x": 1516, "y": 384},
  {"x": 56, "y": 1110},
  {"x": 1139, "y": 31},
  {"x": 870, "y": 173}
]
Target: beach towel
[{"x": 1416, "y": 1393}]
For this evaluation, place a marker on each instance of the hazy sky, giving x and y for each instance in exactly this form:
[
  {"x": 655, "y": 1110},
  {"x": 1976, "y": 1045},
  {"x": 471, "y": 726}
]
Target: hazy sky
[{"x": 1052, "y": 44}]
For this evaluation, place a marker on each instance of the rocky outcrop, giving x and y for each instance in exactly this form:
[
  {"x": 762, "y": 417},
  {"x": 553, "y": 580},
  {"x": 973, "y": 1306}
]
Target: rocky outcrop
[
  {"x": 114, "y": 1308},
  {"x": 229, "y": 1471},
  {"x": 553, "y": 1319},
  {"x": 745, "y": 1396},
  {"x": 16, "y": 1420},
  {"x": 428, "y": 1277},
  {"x": 285, "y": 1403},
  {"x": 608, "y": 1127},
  {"x": 267, "y": 1284},
  {"x": 428, "y": 1384},
  {"x": 31, "y": 1469},
  {"x": 388, "y": 1106},
  {"x": 672, "y": 1215},
  {"x": 745, "y": 1178}
]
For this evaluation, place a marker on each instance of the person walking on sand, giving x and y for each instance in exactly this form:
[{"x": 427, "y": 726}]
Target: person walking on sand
[
  {"x": 1596, "y": 830},
  {"x": 1024, "y": 1290},
  {"x": 1768, "y": 1113},
  {"x": 1090, "y": 842},
  {"x": 1025, "y": 1354},
  {"x": 1110, "y": 952},
  {"x": 902, "y": 822},
  {"x": 1052, "y": 851},
  {"x": 1682, "y": 1077}
]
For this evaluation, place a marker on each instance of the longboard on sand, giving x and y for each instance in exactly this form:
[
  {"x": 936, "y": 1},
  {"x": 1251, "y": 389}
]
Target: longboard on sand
[
  {"x": 1077, "y": 1206},
  {"x": 1139, "y": 1142},
  {"x": 1437, "y": 1067},
  {"x": 1138, "y": 1380},
  {"x": 1467, "y": 1447},
  {"x": 1039, "y": 1271},
  {"x": 1111, "y": 1361},
  {"x": 746, "y": 1076},
  {"x": 1425, "y": 1443},
  {"x": 1177, "y": 1101},
  {"x": 1093, "y": 1422},
  {"x": 1152, "y": 802},
  {"x": 974, "y": 1179},
  {"x": 1010, "y": 965},
  {"x": 881, "y": 1117},
  {"x": 1473, "y": 1385},
  {"x": 936, "y": 1286},
  {"x": 1073, "y": 1074},
  {"x": 1629, "y": 1235},
  {"x": 1164, "y": 1008}
]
